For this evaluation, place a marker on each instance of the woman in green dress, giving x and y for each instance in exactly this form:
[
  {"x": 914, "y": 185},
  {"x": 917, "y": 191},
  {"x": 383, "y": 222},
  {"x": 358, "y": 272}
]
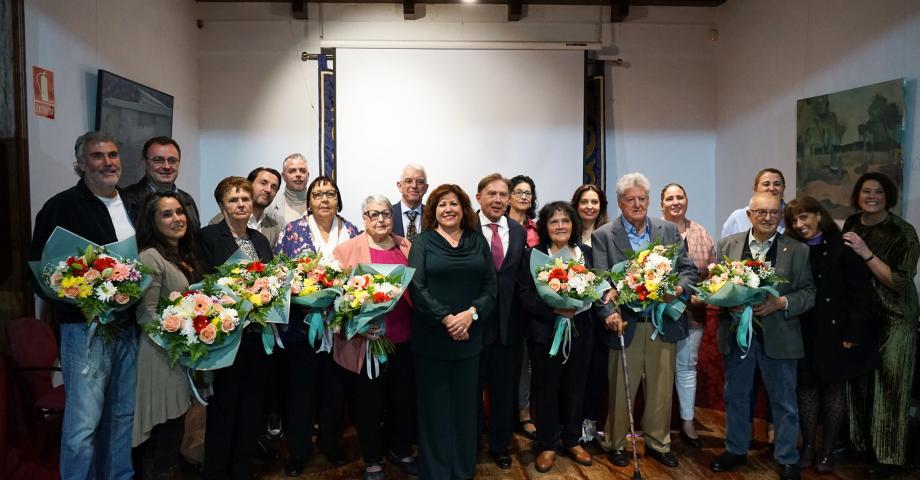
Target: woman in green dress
[
  {"x": 454, "y": 284},
  {"x": 879, "y": 402}
]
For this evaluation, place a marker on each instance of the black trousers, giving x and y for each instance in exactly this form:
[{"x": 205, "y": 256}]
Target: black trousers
[
  {"x": 497, "y": 376},
  {"x": 558, "y": 390},
  {"x": 389, "y": 400},
  {"x": 315, "y": 386},
  {"x": 161, "y": 450},
  {"x": 595, "y": 405},
  {"x": 447, "y": 399},
  {"x": 235, "y": 412}
]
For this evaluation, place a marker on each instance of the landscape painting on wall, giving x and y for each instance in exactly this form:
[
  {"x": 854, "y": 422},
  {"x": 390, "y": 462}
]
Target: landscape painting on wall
[{"x": 842, "y": 135}]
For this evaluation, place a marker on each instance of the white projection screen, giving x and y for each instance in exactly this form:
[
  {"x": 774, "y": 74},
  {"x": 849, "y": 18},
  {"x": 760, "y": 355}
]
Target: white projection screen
[{"x": 462, "y": 114}]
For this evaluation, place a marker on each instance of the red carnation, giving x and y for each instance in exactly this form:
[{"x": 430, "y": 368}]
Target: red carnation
[
  {"x": 381, "y": 297},
  {"x": 753, "y": 263},
  {"x": 558, "y": 273},
  {"x": 103, "y": 263},
  {"x": 257, "y": 267},
  {"x": 76, "y": 266},
  {"x": 642, "y": 292},
  {"x": 199, "y": 323}
]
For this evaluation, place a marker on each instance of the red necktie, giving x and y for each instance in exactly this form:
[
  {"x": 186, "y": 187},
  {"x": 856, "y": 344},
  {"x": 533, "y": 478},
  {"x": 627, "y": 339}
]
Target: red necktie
[{"x": 498, "y": 252}]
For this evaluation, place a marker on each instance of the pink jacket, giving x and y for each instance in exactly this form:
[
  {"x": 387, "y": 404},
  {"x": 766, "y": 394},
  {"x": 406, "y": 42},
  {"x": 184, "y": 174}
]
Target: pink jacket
[{"x": 350, "y": 353}]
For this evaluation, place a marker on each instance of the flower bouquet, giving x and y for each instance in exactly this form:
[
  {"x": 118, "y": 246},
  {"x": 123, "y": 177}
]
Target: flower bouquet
[
  {"x": 316, "y": 282},
  {"x": 733, "y": 283},
  {"x": 199, "y": 330},
  {"x": 99, "y": 280},
  {"x": 264, "y": 290},
  {"x": 645, "y": 279},
  {"x": 565, "y": 282},
  {"x": 370, "y": 293}
]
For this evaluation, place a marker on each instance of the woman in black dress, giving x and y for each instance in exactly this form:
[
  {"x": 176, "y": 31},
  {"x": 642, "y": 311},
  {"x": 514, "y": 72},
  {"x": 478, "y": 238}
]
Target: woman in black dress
[
  {"x": 558, "y": 387},
  {"x": 235, "y": 411},
  {"x": 454, "y": 284},
  {"x": 835, "y": 332}
]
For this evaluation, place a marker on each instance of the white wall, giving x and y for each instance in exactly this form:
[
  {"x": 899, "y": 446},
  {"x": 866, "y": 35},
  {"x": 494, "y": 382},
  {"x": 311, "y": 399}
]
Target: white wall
[
  {"x": 772, "y": 53},
  {"x": 153, "y": 42},
  {"x": 258, "y": 100},
  {"x": 663, "y": 106}
]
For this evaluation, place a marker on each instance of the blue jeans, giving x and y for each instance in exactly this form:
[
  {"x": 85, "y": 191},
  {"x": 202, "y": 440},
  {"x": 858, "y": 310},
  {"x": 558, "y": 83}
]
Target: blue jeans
[
  {"x": 100, "y": 383},
  {"x": 688, "y": 355},
  {"x": 779, "y": 377}
]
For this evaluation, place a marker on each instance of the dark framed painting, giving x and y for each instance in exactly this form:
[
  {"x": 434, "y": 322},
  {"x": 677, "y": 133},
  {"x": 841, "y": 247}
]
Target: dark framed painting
[
  {"x": 842, "y": 135},
  {"x": 133, "y": 113}
]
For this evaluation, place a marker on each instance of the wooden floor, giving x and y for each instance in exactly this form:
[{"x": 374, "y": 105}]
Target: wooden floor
[{"x": 694, "y": 464}]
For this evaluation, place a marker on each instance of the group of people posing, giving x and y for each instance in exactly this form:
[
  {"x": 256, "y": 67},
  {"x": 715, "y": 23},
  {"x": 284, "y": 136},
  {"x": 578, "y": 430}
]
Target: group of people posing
[{"x": 839, "y": 341}]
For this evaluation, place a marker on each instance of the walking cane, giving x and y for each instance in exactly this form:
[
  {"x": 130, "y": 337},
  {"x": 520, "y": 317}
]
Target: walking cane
[{"x": 637, "y": 474}]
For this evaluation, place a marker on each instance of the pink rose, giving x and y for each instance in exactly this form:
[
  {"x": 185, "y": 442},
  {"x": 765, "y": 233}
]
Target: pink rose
[
  {"x": 227, "y": 300},
  {"x": 173, "y": 296},
  {"x": 91, "y": 275},
  {"x": 171, "y": 323},
  {"x": 295, "y": 288},
  {"x": 555, "y": 284},
  {"x": 71, "y": 292},
  {"x": 208, "y": 334},
  {"x": 121, "y": 298},
  {"x": 227, "y": 325},
  {"x": 266, "y": 296},
  {"x": 56, "y": 279}
]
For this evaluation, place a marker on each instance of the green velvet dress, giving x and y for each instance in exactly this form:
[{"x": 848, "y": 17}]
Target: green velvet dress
[{"x": 879, "y": 401}]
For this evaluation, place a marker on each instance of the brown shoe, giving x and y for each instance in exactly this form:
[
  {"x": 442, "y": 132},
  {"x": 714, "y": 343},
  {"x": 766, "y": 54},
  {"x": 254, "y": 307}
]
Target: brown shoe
[
  {"x": 545, "y": 461},
  {"x": 580, "y": 455}
]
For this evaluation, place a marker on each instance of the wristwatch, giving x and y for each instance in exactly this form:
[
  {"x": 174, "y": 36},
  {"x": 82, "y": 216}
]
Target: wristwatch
[{"x": 475, "y": 315}]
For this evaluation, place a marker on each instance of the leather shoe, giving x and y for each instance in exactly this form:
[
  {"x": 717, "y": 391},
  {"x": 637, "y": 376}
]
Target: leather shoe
[
  {"x": 580, "y": 456},
  {"x": 503, "y": 460},
  {"x": 727, "y": 462},
  {"x": 665, "y": 458},
  {"x": 294, "y": 466},
  {"x": 690, "y": 441},
  {"x": 618, "y": 457},
  {"x": 825, "y": 463},
  {"x": 545, "y": 461},
  {"x": 409, "y": 467},
  {"x": 789, "y": 472},
  {"x": 376, "y": 475}
]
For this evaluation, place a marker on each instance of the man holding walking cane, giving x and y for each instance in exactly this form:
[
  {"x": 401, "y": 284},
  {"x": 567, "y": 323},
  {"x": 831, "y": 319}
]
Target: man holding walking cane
[{"x": 649, "y": 349}]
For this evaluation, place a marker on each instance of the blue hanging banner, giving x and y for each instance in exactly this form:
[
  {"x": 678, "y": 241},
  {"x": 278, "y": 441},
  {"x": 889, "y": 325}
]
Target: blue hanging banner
[{"x": 327, "y": 163}]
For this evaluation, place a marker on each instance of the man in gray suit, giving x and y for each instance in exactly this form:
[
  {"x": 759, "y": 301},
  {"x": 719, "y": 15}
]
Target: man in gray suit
[
  {"x": 776, "y": 344},
  {"x": 653, "y": 358},
  {"x": 407, "y": 212}
]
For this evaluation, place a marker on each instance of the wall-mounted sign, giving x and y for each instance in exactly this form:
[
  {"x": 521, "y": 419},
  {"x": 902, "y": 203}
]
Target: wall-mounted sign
[{"x": 43, "y": 85}]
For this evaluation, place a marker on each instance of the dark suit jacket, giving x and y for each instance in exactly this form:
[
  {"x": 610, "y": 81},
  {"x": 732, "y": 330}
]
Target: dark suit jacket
[
  {"x": 217, "y": 244},
  {"x": 134, "y": 196},
  {"x": 398, "y": 228},
  {"x": 540, "y": 317},
  {"x": 502, "y": 323},
  {"x": 611, "y": 246},
  {"x": 782, "y": 333}
]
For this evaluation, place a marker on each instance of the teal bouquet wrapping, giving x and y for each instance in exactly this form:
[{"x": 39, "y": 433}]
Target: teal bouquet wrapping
[
  {"x": 564, "y": 282},
  {"x": 316, "y": 282},
  {"x": 645, "y": 279},
  {"x": 736, "y": 283},
  {"x": 100, "y": 280},
  {"x": 369, "y": 294}
]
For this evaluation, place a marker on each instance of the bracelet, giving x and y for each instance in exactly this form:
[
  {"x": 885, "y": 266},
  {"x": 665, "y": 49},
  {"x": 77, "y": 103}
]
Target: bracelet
[{"x": 870, "y": 258}]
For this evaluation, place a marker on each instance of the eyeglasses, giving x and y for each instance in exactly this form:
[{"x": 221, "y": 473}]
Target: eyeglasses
[
  {"x": 765, "y": 213},
  {"x": 159, "y": 161},
  {"x": 421, "y": 182},
  {"x": 375, "y": 215},
  {"x": 319, "y": 195},
  {"x": 522, "y": 194}
]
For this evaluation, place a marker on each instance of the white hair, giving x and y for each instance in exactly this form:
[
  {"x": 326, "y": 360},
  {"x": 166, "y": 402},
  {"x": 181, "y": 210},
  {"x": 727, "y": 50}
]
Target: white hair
[
  {"x": 412, "y": 166},
  {"x": 374, "y": 199},
  {"x": 631, "y": 180},
  {"x": 759, "y": 195},
  {"x": 293, "y": 156}
]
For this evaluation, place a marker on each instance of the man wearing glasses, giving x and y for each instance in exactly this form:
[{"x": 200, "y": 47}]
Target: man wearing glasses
[
  {"x": 776, "y": 343},
  {"x": 768, "y": 180},
  {"x": 407, "y": 212},
  {"x": 161, "y": 162}
]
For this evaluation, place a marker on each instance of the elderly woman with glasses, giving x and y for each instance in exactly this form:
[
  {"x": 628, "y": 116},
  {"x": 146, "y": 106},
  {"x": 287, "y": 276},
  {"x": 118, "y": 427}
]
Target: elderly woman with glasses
[
  {"x": 320, "y": 230},
  {"x": 393, "y": 390}
]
